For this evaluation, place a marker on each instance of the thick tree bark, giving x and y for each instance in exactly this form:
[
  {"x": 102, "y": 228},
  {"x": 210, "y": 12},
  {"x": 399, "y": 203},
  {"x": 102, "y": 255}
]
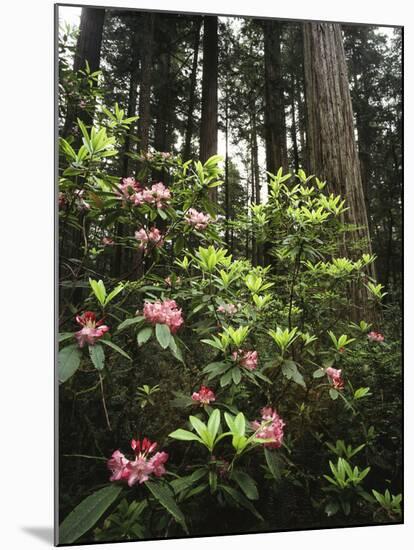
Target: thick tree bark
[
  {"x": 275, "y": 124},
  {"x": 88, "y": 48},
  {"x": 191, "y": 100},
  {"x": 209, "y": 114},
  {"x": 226, "y": 172},
  {"x": 333, "y": 154}
]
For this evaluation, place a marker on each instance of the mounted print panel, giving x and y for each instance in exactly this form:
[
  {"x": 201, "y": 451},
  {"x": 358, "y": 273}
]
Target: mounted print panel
[{"x": 229, "y": 203}]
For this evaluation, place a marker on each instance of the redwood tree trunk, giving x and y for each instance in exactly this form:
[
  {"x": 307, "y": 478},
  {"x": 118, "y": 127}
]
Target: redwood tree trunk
[
  {"x": 88, "y": 48},
  {"x": 145, "y": 83},
  {"x": 209, "y": 116},
  {"x": 275, "y": 124},
  {"x": 191, "y": 100},
  {"x": 333, "y": 154}
]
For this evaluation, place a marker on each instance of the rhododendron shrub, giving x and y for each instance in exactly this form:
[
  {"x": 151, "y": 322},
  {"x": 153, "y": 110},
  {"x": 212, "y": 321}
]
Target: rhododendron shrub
[{"x": 252, "y": 376}]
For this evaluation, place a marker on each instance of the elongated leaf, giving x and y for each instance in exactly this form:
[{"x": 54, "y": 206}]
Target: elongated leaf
[
  {"x": 165, "y": 497},
  {"x": 274, "y": 463},
  {"x": 87, "y": 513},
  {"x": 144, "y": 335},
  {"x": 241, "y": 500},
  {"x": 175, "y": 349},
  {"x": 185, "y": 435},
  {"x": 99, "y": 290},
  {"x": 114, "y": 293},
  {"x": 68, "y": 361},
  {"x": 240, "y": 424},
  {"x": 163, "y": 334},
  {"x": 129, "y": 322},
  {"x": 291, "y": 372},
  {"x": 236, "y": 375},
  {"x": 246, "y": 483},
  {"x": 199, "y": 426},
  {"x": 183, "y": 483},
  {"x": 116, "y": 348},
  {"x": 214, "y": 424},
  {"x": 97, "y": 355},
  {"x": 65, "y": 336}
]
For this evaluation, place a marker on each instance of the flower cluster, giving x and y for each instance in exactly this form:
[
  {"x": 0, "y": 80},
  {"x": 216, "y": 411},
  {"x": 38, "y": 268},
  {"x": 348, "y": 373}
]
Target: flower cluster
[
  {"x": 227, "y": 309},
  {"x": 204, "y": 396},
  {"x": 375, "y": 336},
  {"x": 128, "y": 187},
  {"x": 271, "y": 427},
  {"x": 139, "y": 469},
  {"x": 196, "y": 219},
  {"x": 246, "y": 359},
  {"x": 91, "y": 329},
  {"x": 335, "y": 377},
  {"x": 164, "y": 313},
  {"x": 80, "y": 202},
  {"x": 158, "y": 195},
  {"x": 152, "y": 236}
]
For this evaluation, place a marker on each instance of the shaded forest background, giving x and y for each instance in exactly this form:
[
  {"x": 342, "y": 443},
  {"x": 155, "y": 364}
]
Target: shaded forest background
[{"x": 249, "y": 89}]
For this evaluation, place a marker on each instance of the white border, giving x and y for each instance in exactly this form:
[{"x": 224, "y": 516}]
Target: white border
[{"x": 26, "y": 313}]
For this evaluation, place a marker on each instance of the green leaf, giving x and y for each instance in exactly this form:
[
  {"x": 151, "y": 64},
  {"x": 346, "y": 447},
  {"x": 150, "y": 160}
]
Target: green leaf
[
  {"x": 176, "y": 350},
  {"x": 99, "y": 290},
  {"x": 185, "y": 435},
  {"x": 65, "y": 336},
  {"x": 236, "y": 375},
  {"x": 333, "y": 393},
  {"x": 129, "y": 322},
  {"x": 87, "y": 513},
  {"x": 318, "y": 373},
  {"x": 114, "y": 293},
  {"x": 116, "y": 348},
  {"x": 240, "y": 424},
  {"x": 185, "y": 482},
  {"x": 291, "y": 372},
  {"x": 163, "y": 334},
  {"x": 241, "y": 500},
  {"x": 274, "y": 463},
  {"x": 246, "y": 483},
  {"x": 97, "y": 355},
  {"x": 199, "y": 426},
  {"x": 144, "y": 335},
  {"x": 68, "y": 361},
  {"x": 214, "y": 424},
  {"x": 165, "y": 497}
]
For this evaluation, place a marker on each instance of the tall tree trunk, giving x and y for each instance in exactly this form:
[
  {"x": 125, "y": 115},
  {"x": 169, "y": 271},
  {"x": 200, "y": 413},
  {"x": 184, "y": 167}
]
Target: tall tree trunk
[
  {"x": 209, "y": 114},
  {"x": 189, "y": 131},
  {"x": 293, "y": 128},
  {"x": 275, "y": 124},
  {"x": 226, "y": 172},
  {"x": 88, "y": 49},
  {"x": 257, "y": 248},
  {"x": 332, "y": 147},
  {"x": 144, "y": 108}
]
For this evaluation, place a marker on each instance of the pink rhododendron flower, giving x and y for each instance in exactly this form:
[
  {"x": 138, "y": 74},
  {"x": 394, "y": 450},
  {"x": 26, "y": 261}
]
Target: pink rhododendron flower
[
  {"x": 271, "y": 427},
  {"x": 247, "y": 359},
  {"x": 152, "y": 236},
  {"x": 335, "y": 377},
  {"x": 118, "y": 466},
  {"x": 157, "y": 463},
  {"x": 107, "y": 241},
  {"x": 139, "y": 469},
  {"x": 128, "y": 187},
  {"x": 227, "y": 309},
  {"x": 196, "y": 219},
  {"x": 164, "y": 313},
  {"x": 92, "y": 329},
  {"x": 375, "y": 336},
  {"x": 158, "y": 195},
  {"x": 204, "y": 395}
]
